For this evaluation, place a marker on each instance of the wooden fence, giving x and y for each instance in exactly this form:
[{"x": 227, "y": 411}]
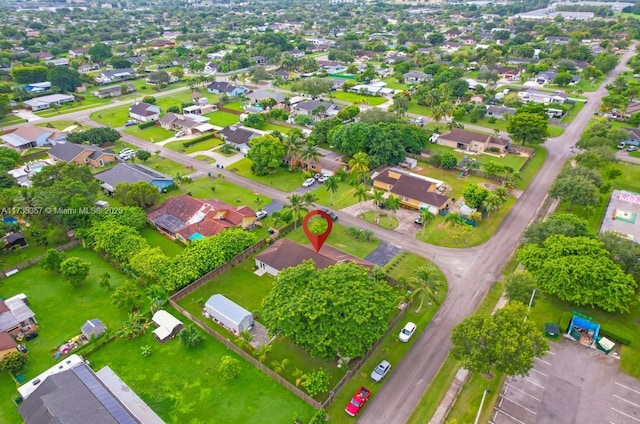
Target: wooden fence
[
  {"x": 232, "y": 111},
  {"x": 35, "y": 260}
]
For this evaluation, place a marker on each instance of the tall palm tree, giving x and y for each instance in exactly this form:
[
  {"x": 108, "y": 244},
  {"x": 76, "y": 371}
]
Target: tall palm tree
[
  {"x": 293, "y": 144},
  {"x": 331, "y": 185},
  {"x": 308, "y": 154},
  {"x": 431, "y": 98},
  {"x": 319, "y": 111},
  {"x": 378, "y": 198},
  {"x": 393, "y": 204},
  {"x": 427, "y": 278},
  {"x": 492, "y": 203},
  {"x": 426, "y": 217},
  {"x": 401, "y": 103},
  {"x": 502, "y": 193},
  {"x": 295, "y": 204},
  {"x": 308, "y": 200},
  {"x": 359, "y": 165},
  {"x": 441, "y": 111},
  {"x": 361, "y": 193},
  {"x": 453, "y": 219}
]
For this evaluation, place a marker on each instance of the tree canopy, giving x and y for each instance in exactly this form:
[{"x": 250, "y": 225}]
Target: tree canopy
[
  {"x": 528, "y": 127},
  {"x": 266, "y": 154},
  {"x": 561, "y": 223},
  {"x": 97, "y": 136},
  {"x": 579, "y": 270},
  {"x": 336, "y": 311},
  {"x": 66, "y": 79}
]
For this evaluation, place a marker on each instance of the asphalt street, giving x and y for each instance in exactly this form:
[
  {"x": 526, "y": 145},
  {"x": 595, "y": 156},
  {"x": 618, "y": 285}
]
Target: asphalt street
[{"x": 470, "y": 272}]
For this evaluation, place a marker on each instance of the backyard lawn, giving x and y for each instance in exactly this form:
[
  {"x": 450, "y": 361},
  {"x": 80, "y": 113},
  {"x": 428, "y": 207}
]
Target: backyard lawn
[
  {"x": 222, "y": 119},
  {"x": 451, "y": 178},
  {"x": 270, "y": 126},
  {"x": 340, "y": 239},
  {"x": 237, "y": 105},
  {"x": 155, "y": 239},
  {"x": 358, "y": 98},
  {"x": 283, "y": 179},
  {"x": 393, "y": 83},
  {"x": 60, "y": 312},
  {"x": 184, "y": 385},
  {"x": 9, "y": 259},
  {"x": 341, "y": 199}
]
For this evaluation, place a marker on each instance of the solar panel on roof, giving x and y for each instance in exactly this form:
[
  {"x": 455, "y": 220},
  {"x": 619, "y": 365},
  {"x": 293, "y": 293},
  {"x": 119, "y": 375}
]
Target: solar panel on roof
[{"x": 121, "y": 415}]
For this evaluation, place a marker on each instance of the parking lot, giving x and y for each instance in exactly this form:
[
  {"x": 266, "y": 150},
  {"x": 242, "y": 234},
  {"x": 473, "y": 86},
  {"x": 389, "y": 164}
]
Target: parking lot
[{"x": 571, "y": 384}]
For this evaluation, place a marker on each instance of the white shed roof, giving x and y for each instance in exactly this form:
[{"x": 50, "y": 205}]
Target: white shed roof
[
  {"x": 165, "y": 322},
  {"x": 229, "y": 309}
]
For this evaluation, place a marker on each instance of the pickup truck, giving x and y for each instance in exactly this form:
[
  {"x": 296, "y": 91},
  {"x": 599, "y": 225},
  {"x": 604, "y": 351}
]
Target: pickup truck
[{"x": 357, "y": 401}]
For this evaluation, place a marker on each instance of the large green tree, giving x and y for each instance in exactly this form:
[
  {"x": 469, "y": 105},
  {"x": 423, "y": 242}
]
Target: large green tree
[
  {"x": 100, "y": 52},
  {"x": 527, "y": 127},
  {"x": 66, "y": 79},
  {"x": 266, "y": 154},
  {"x": 579, "y": 270},
  {"x": 140, "y": 194},
  {"x": 100, "y": 135},
  {"x": 560, "y": 223},
  {"x": 29, "y": 74},
  {"x": 475, "y": 195},
  {"x": 75, "y": 271},
  {"x": 336, "y": 311},
  {"x": 502, "y": 342},
  {"x": 577, "y": 190}
]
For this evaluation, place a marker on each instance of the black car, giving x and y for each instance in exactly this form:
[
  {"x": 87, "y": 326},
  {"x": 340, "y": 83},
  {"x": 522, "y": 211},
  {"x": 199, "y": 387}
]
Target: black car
[
  {"x": 30, "y": 336},
  {"x": 333, "y": 216}
]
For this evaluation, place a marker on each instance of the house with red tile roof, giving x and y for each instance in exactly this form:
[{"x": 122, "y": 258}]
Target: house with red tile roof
[{"x": 186, "y": 219}]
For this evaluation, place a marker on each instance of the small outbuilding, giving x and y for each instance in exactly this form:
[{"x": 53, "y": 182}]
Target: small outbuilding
[
  {"x": 93, "y": 328},
  {"x": 15, "y": 240},
  {"x": 168, "y": 326},
  {"x": 228, "y": 314}
]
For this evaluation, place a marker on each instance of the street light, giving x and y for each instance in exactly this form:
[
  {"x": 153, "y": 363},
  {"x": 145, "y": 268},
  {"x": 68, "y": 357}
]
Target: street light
[
  {"x": 484, "y": 394},
  {"x": 533, "y": 293}
]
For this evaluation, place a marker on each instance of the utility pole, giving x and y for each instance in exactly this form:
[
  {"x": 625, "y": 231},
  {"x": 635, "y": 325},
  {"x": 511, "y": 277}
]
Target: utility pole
[{"x": 533, "y": 293}]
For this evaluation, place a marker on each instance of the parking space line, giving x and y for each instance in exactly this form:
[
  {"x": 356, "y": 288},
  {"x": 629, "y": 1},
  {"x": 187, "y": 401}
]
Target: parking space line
[
  {"x": 628, "y": 388},
  {"x": 533, "y": 382},
  {"x": 520, "y": 390},
  {"x": 626, "y": 415},
  {"x": 517, "y": 404},
  {"x": 543, "y": 361},
  {"x": 513, "y": 418},
  {"x": 539, "y": 372},
  {"x": 628, "y": 401}
]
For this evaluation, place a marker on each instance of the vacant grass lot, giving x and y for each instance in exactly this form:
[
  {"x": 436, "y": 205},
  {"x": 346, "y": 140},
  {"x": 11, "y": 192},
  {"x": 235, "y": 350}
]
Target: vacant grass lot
[
  {"x": 60, "y": 312},
  {"x": 183, "y": 385},
  {"x": 224, "y": 190},
  {"x": 358, "y": 98},
  {"x": 222, "y": 119},
  {"x": 283, "y": 179},
  {"x": 451, "y": 178},
  {"x": 112, "y": 117},
  {"x": 513, "y": 161}
]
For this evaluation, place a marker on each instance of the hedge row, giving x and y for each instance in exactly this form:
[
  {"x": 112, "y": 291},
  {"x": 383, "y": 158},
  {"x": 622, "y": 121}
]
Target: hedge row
[
  {"x": 198, "y": 140},
  {"x": 146, "y": 124},
  {"x": 614, "y": 336}
]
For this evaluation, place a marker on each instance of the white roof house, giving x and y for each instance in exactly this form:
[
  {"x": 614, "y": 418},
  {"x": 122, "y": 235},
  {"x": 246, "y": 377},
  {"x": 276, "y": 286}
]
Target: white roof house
[{"x": 168, "y": 325}]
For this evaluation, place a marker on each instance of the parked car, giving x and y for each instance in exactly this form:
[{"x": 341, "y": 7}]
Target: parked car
[
  {"x": 180, "y": 134},
  {"x": 125, "y": 154},
  {"x": 380, "y": 371},
  {"x": 418, "y": 220},
  {"x": 130, "y": 123},
  {"x": 308, "y": 182},
  {"x": 261, "y": 214},
  {"x": 332, "y": 214},
  {"x": 632, "y": 148},
  {"x": 31, "y": 336},
  {"x": 357, "y": 401},
  {"x": 407, "y": 332},
  {"x": 323, "y": 178},
  {"x": 317, "y": 176}
]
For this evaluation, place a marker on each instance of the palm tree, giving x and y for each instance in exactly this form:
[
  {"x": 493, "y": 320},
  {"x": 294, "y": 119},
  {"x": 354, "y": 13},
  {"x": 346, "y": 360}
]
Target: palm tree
[
  {"x": 261, "y": 352},
  {"x": 319, "y": 111},
  {"x": 427, "y": 278},
  {"x": 393, "y": 204},
  {"x": 308, "y": 199},
  {"x": 378, "y": 198},
  {"x": 401, "y": 103},
  {"x": 426, "y": 217},
  {"x": 276, "y": 217},
  {"x": 244, "y": 340},
  {"x": 361, "y": 193},
  {"x": 502, "y": 193},
  {"x": 492, "y": 203},
  {"x": 331, "y": 185},
  {"x": 280, "y": 366},
  {"x": 431, "y": 98},
  {"x": 453, "y": 219},
  {"x": 293, "y": 144},
  {"x": 441, "y": 111},
  {"x": 308, "y": 154},
  {"x": 295, "y": 204},
  {"x": 359, "y": 165}
]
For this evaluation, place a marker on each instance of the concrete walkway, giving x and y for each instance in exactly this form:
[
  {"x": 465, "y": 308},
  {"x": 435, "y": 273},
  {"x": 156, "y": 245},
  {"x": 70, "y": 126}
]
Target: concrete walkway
[{"x": 221, "y": 159}]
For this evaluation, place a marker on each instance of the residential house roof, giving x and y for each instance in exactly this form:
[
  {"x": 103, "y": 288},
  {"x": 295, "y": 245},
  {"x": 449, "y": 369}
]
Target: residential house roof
[
  {"x": 6, "y": 341},
  {"x": 221, "y": 86},
  {"x": 144, "y": 109},
  {"x": 285, "y": 253},
  {"x": 258, "y": 95},
  {"x": 500, "y": 110},
  {"x": 12, "y": 312},
  {"x": 465, "y": 137},
  {"x": 69, "y": 151},
  {"x": 129, "y": 173},
  {"x": 117, "y": 72},
  {"x": 415, "y": 74},
  {"x": 237, "y": 135},
  {"x": 47, "y": 100},
  {"x": 311, "y": 105},
  {"x": 28, "y": 134},
  {"x": 412, "y": 187}
]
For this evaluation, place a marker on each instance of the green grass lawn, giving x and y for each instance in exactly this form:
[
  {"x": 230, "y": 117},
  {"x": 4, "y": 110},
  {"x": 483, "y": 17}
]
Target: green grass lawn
[
  {"x": 11, "y": 120},
  {"x": 60, "y": 312},
  {"x": 112, "y": 117},
  {"x": 224, "y": 190},
  {"x": 531, "y": 168},
  {"x": 183, "y": 385},
  {"x": 514, "y": 161},
  {"x": 355, "y": 97},
  {"x": 414, "y": 107},
  {"x": 340, "y": 240},
  {"x": 237, "y": 105},
  {"x": 155, "y": 239},
  {"x": 394, "y": 84},
  {"x": 166, "y": 166},
  {"x": 341, "y": 199},
  {"x": 61, "y": 124},
  {"x": 205, "y": 158},
  {"x": 441, "y": 234},
  {"x": 555, "y": 131},
  {"x": 500, "y": 124},
  {"x": 33, "y": 151},
  {"x": 153, "y": 134},
  {"x": 9, "y": 259},
  {"x": 222, "y": 119},
  {"x": 90, "y": 102},
  {"x": 451, "y": 178},
  {"x": 381, "y": 218},
  {"x": 283, "y": 179},
  {"x": 178, "y": 145},
  {"x": 573, "y": 112},
  {"x": 270, "y": 126}
]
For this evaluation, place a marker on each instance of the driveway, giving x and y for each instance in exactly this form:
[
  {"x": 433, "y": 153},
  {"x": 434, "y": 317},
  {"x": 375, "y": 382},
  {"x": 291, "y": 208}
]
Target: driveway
[
  {"x": 571, "y": 384},
  {"x": 383, "y": 254}
]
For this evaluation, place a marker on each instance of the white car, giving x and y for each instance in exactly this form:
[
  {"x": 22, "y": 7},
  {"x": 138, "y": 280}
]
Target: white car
[
  {"x": 308, "y": 182},
  {"x": 261, "y": 214},
  {"x": 380, "y": 371},
  {"x": 323, "y": 178},
  {"x": 179, "y": 134},
  {"x": 407, "y": 332}
]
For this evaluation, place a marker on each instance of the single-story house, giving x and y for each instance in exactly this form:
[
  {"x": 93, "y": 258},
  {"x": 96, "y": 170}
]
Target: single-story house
[
  {"x": 536, "y": 96},
  {"x": 77, "y": 52},
  {"x": 504, "y": 72},
  {"x": 7, "y": 344},
  {"x": 38, "y": 87},
  {"x": 259, "y": 60},
  {"x": 470, "y": 140},
  {"x": 28, "y": 136},
  {"x": 88, "y": 67},
  {"x": 285, "y": 253},
  {"x": 16, "y": 318},
  {"x": 23, "y": 173},
  {"x": 46, "y": 102},
  {"x": 238, "y": 137},
  {"x": 144, "y": 112},
  {"x": 93, "y": 328},
  {"x": 375, "y": 88},
  {"x": 63, "y": 61},
  {"x": 307, "y": 107},
  {"x": 168, "y": 326},
  {"x": 330, "y": 66},
  {"x": 228, "y": 314},
  {"x": 415, "y": 191},
  {"x": 14, "y": 240},
  {"x": 230, "y": 90},
  {"x": 258, "y": 95},
  {"x": 414, "y": 76},
  {"x": 450, "y": 47},
  {"x": 199, "y": 109},
  {"x": 186, "y": 219},
  {"x": 132, "y": 173},
  {"x": 328, "y": 163},
  {"x": 107, "y": 77},
  {"x": 71, "y": 392},
  {"x": 189, "y": 123},
  {"x": 556, "y": 40},
  {"x": 41, "y": 55},
  {"x": 634, "y": 133},
  {"x": 81, "y": 154},
  {"x": 499, "y": 112},
  {"x": 210, "y": 68},
  {"x": 114, "y": 91},
  {"x": 546, "y": 77}
]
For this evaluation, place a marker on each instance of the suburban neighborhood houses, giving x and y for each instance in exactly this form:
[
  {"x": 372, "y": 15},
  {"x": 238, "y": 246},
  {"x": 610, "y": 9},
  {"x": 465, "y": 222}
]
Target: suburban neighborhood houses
[{"x": 311, "y": 212}]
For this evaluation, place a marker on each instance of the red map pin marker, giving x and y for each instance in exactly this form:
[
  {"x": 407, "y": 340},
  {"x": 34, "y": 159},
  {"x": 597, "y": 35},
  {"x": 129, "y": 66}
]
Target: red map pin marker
[{"x": 317, "y": 240}]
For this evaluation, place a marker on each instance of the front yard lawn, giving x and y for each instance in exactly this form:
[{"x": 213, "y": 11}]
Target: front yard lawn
[
  {"x": 112, "y": 117},
  {"x": 340, "y": 239},
  {"x": 184, "y": 385},
  {"x": 341, "y": 199},
  {"x": 222, "y": 119},
  {"x": 384, "y": 219},
  {"x": 178, "y": 145},
  {"x": 153, "y": 134},
  {"x": 358, "y": 98},
  {"x": 270, "y": 126},
  {"x": 166, "y": 166},
  {"x": 414, "y": 107},
  {"x": 394, "y": 84},
  {"x": 11, "y": 120},
  {"x": 283, "y": 179}
]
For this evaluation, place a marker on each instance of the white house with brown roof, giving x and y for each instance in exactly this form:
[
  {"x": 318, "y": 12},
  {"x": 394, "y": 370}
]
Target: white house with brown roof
[
  {"x": 415, "y": 191},
  {"x": 471, "y": 141},
  {"x": 144, "y": 112}
]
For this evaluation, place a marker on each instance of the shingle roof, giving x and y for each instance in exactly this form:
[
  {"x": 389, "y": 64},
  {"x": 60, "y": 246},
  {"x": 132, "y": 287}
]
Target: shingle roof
[
  {"x": 413, "y": 188},
  {"x": 144, "y": 109},
  {"x": 130, "y": 173},
  {"x": 237, "y": 135},
  {"x": 69, "y": 151},
  {"x": 223, "y": 87},
  {"x": 6, "y": 341},
  {"x": 115, "y": 72},
  {"x": 464, "y": 136}
]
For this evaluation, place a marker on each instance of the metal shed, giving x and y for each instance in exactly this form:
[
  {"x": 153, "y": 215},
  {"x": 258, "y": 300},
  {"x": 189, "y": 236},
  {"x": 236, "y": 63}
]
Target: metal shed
[
  {"x": 93, "y": 328},
  {"x": 229, "y": 314}
]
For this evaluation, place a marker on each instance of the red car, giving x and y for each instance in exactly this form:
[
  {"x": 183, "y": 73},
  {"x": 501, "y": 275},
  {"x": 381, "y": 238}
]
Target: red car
[{"x": 358, "y": 401}]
